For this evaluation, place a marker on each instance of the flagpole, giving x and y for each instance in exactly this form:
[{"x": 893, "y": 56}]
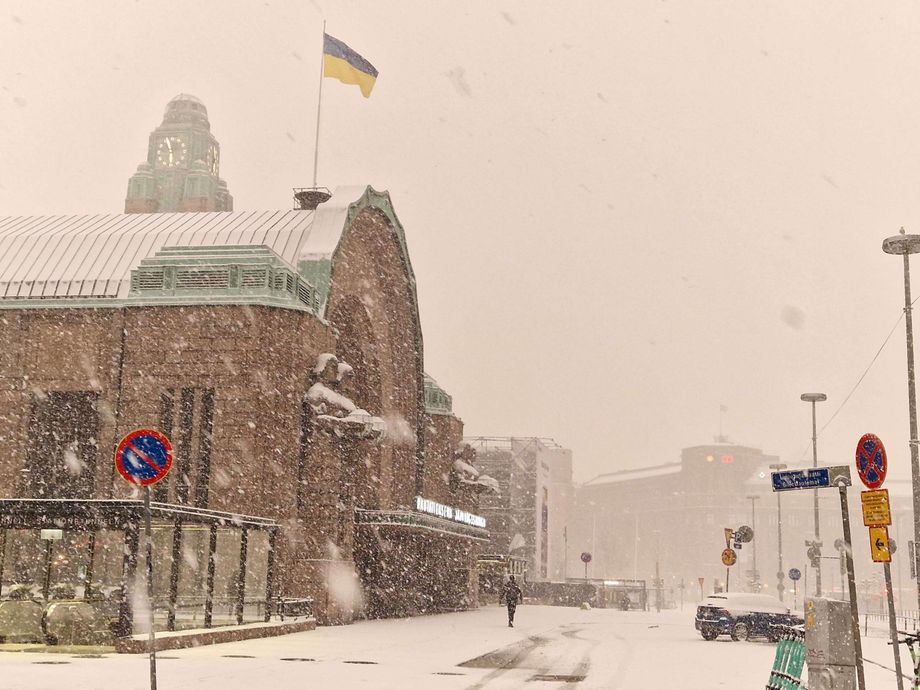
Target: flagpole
[{"x": 319, "y": 103}]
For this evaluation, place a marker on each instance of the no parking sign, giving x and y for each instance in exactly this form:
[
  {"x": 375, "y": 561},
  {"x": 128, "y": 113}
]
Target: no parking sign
[
  {"x": 144, "y": 457},
  {"x": 871, "y": 461}
]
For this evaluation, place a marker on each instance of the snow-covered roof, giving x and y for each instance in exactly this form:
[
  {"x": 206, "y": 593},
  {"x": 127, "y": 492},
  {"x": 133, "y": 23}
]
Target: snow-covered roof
[
  {"x": 630, "y": 475},
  {"x": 326, "y": 230},
  {"x": 91, "y": 256}
]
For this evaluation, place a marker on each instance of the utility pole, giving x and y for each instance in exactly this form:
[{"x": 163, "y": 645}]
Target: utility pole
[
  {"x": 755, "y": 576},
  {"x": 780, "y": 589},
  {"x": 815, "y": 398},
  {"x": 657, "y": 572},
  {"x": 905, "y": 245},
  {"x": 565, "y": 553}
]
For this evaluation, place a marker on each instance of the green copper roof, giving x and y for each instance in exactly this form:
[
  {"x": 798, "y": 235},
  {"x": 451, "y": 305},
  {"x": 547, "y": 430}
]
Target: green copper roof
[
  {"x": 437, "y": 401},
  {"x": 229, "y": 273}
]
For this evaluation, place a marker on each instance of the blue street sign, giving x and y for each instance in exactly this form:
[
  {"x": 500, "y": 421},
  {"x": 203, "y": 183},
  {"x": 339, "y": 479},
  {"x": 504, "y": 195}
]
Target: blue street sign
[
  {"x": 801, "y": 479},
  {"x": 814, "y": 478},
  {"x": 795, "y": 574}
]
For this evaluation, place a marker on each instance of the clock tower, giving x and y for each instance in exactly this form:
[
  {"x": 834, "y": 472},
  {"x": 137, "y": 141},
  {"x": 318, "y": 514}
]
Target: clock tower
[{"x": 182, "y": 169}]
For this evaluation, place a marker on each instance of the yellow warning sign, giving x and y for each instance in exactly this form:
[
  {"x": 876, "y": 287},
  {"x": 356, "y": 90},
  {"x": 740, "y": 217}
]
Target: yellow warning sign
[
  {"x": 809, "y": 615},
  {"x": 875, "y": 507},
  {"x": 878, "y": 541},
  {"x": 728, "y": 537}
]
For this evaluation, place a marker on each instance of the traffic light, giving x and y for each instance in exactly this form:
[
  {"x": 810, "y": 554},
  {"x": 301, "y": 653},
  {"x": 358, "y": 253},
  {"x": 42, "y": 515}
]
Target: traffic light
[{"x": 813, "y": 553}]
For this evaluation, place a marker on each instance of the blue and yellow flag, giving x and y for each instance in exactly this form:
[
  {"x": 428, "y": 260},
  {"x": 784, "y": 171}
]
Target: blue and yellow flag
[{"x": 342, "y": 63}]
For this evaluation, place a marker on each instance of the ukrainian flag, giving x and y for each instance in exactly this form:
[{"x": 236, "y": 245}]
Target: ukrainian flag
[{"x": 342, "y": 63}]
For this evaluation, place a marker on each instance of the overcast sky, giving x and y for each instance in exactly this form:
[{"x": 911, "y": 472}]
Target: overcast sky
[{"x": 621, "y": 214}]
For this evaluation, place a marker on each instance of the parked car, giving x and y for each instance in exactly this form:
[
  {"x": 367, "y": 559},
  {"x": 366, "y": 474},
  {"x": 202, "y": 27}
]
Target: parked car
[{"x": 743, "y": 616}]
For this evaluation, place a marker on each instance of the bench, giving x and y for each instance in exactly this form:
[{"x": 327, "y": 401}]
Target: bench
[{"x": 293, "y": 607}]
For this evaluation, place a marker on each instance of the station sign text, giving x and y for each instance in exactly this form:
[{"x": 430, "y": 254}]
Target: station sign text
[{"x": 426, "y": 505}]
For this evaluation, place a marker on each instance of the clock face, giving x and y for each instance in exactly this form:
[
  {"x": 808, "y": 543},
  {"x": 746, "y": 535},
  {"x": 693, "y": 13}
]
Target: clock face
[
  {"x": 213, "y": 159},
  {"x": 171, "y": 152}
]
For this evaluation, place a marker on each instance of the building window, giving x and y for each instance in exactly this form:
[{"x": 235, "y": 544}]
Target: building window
[
  {"x": 167, "y": 403},
  {"x": 544, "y": 533},
  {"x": 203, "y": 479},
  {"x": 184, "y": 451},
  {"x": 303, "y": 457},
  {"x": 187, "y": 419},
  {"x": 62, "y": 446}
]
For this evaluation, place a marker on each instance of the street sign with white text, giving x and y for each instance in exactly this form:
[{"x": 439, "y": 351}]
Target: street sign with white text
[{"x": 814, "y": 478}]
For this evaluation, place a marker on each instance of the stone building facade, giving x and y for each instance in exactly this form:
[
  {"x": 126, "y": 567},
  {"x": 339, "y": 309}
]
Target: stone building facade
[{"x": 281, "y": 352}]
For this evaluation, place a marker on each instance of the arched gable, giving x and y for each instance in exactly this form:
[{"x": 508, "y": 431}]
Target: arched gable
[{"x": 368, "y": 294}]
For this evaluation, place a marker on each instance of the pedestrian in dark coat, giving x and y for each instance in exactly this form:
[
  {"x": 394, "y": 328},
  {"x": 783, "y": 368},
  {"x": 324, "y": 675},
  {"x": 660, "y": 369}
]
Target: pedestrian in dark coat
[{"x": 512, "y": 596}]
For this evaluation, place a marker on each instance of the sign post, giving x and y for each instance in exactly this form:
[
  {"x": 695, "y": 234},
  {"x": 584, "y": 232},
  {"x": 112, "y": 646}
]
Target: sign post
[
  {"x": 586, "y": 558},
  {"x": 729, "y": 557},
  {"x": 851, "y": 585},
  {"x": 794, "y": 575},
  {"x": 142, "y": 458},
  {"x": 49, "y": 536},
  {"x": 820, "y": 478},
  {"x": 872, "y": 466}
]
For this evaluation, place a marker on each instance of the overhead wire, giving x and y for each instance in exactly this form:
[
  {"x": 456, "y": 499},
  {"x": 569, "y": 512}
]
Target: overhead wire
[{"x": 860, "y": 379}]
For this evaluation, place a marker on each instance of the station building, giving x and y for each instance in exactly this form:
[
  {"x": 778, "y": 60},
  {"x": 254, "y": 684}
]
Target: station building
[{"x": 282, "y": 354}]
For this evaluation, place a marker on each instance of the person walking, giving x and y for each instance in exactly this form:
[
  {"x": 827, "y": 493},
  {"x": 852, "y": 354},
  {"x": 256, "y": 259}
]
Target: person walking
[{"x": 512, "y": 595}]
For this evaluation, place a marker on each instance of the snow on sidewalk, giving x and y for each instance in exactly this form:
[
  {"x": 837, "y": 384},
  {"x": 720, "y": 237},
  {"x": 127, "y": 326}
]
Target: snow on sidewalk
[{"x": 610, "y": 649}]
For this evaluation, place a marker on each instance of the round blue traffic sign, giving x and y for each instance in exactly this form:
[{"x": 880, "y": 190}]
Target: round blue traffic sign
[
  {"x": 144, "y": 457},
  {"x": 871, "y": 461},
  {"x": 795, "y": 574}
]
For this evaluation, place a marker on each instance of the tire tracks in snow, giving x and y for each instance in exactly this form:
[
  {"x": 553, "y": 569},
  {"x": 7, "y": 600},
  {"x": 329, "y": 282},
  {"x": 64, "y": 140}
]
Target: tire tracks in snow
[{"x": 556, "y": 669}]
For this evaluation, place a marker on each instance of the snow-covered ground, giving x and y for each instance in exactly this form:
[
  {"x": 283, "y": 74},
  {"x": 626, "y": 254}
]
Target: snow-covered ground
[{"x": 611, "y": 649}]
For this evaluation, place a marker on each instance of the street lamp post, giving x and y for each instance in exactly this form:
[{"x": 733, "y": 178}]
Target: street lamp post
[
  {"x": 657, "y": 534},
  {"x": 815, "y": 398},
  {"x": 755, "y": 579},
  {"x": 905, "y": 245},
  {"x": 779, "y": 536}
]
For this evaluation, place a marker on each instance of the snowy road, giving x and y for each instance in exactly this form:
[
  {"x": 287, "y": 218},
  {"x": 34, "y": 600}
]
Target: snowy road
[{"x": 550, "y": 647}]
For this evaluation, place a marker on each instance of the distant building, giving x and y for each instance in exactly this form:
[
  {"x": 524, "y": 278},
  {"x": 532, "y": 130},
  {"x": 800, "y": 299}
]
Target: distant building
[
  {"x": 675, "y": 514},
  {"x": 182, "y": 170},
  {"x": 529, "y": 514}
]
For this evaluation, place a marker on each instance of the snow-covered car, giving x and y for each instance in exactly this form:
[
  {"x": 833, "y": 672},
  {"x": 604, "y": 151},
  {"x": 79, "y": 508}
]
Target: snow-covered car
[{"x": 744, "y": 615}]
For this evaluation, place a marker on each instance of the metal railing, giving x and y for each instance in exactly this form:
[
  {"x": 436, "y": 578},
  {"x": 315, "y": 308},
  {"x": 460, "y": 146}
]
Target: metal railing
[{"x": 905, "y": 620}]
